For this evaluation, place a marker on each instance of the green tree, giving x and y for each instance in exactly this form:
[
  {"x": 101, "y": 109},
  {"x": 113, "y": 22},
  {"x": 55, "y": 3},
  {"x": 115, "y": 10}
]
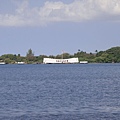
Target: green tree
[
  {"x": 30, "y": 53},
  {"x": 30, "y": 56},
  {"x": 96, "y": 51}
]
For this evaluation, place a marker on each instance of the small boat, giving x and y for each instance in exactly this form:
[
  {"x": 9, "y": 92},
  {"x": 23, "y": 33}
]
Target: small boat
[
  {"x": 83, "y": 62},
  {"x": 20, "y": 63},
  {"x": 2, "y": 63}
]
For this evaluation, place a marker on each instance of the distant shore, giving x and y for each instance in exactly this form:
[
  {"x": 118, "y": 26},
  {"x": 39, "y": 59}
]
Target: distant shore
[{"x": 111, "y": 55}]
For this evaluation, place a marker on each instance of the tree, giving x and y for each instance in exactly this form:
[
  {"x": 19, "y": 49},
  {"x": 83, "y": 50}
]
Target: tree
[
  {"x": 96, "y": 51},
  {"x": 18, "y": 55},
  {"x": 30, "y": 55},
  {"x": 66, "y": 55}
]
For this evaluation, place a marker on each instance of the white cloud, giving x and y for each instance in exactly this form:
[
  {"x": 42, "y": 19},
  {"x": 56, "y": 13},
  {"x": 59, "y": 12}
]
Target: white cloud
[{"x": 77, "y": 11}]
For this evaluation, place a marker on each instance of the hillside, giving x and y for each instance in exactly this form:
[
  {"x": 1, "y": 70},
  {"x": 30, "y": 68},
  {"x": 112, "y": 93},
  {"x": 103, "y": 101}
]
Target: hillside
[{"x": 110, "y": 55}]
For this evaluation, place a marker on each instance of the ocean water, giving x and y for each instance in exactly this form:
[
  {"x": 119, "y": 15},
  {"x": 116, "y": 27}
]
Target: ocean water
[{"x": 60, "y": 92}]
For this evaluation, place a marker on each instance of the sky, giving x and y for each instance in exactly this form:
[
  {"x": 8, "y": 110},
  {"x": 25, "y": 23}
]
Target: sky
[{"x": 50, "y": 27}]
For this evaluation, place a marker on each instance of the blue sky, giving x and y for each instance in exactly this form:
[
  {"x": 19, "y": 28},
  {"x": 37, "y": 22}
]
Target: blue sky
[{"x": 52, "y": 26}]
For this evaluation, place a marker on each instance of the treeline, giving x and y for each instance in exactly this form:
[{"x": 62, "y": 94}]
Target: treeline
[{"x": 109, "y": 56}]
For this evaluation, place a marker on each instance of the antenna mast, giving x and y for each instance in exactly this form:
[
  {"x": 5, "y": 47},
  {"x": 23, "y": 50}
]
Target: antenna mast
[{"x": 62, "y": 54}]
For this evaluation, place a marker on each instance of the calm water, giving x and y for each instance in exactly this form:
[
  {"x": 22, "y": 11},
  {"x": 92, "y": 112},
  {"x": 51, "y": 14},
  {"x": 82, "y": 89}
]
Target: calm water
[{"x": 60, "y": 92}]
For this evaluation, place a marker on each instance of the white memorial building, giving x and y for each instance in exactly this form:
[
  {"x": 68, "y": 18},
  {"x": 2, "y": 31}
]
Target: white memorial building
[{"x": 57, "y": 61}]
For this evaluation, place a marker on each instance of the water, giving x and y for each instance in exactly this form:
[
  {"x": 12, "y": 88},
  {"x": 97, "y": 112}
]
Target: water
[{"x": 60, "y": 92}]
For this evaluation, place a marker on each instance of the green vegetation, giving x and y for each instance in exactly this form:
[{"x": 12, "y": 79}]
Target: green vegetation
[{"x": 111, "y": 55}]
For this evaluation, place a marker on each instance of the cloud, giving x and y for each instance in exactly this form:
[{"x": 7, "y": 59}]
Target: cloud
[{"x": 77, "y": 11}]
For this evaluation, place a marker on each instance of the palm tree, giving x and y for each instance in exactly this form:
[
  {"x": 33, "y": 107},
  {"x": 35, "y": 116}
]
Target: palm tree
[{"x": 96, "y": 51}]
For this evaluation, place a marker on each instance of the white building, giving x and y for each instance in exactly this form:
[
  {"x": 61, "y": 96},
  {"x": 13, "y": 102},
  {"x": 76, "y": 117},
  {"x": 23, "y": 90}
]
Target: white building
[{"x": 53, "y": 61}]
